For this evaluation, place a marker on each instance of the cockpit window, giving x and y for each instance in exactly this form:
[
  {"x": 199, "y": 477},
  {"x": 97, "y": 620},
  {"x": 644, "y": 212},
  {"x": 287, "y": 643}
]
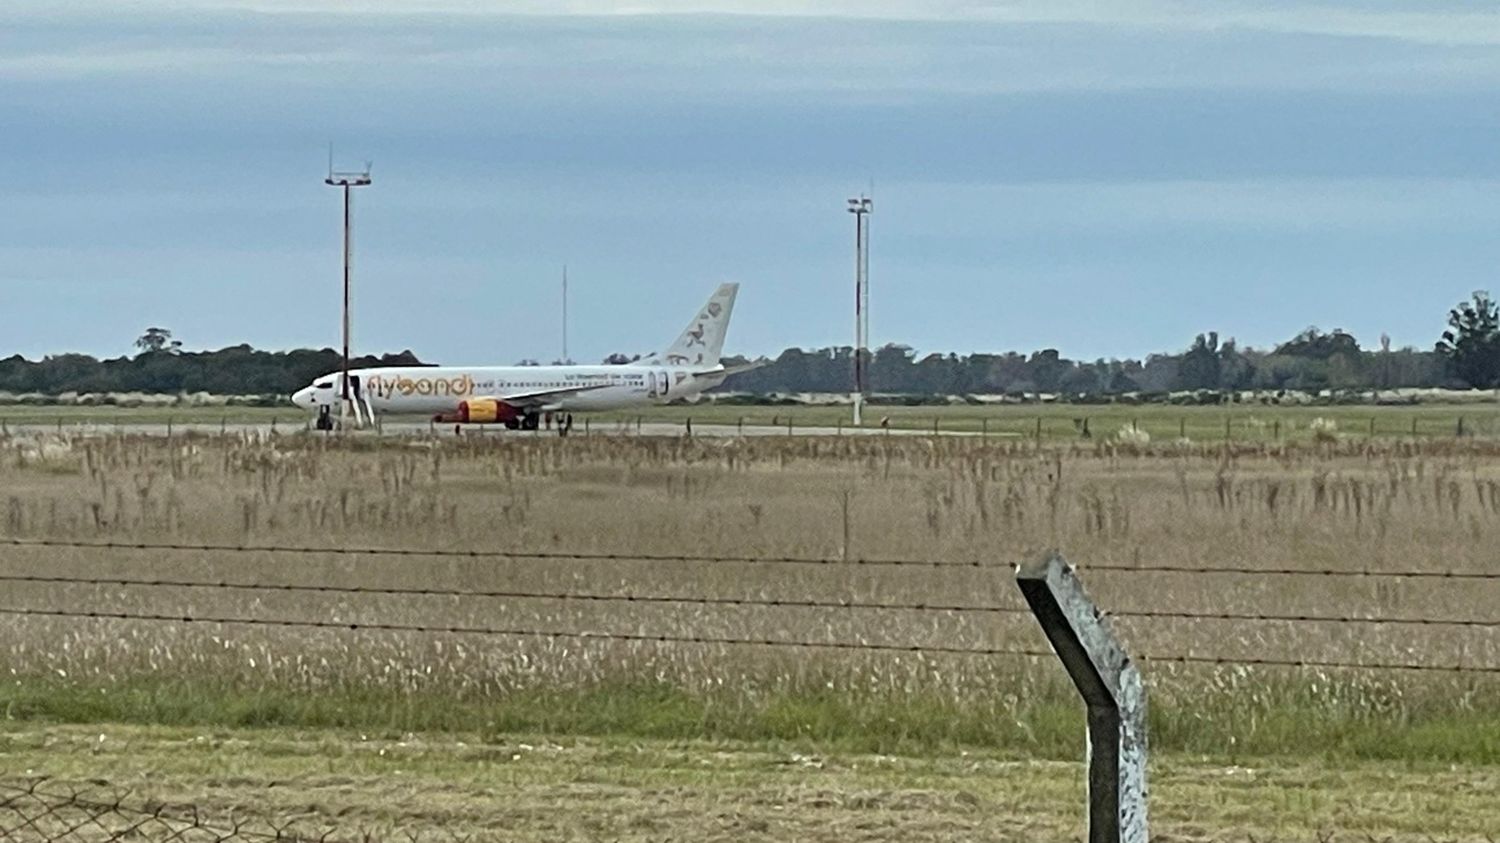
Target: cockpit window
[{"x": 323, "y": 385}]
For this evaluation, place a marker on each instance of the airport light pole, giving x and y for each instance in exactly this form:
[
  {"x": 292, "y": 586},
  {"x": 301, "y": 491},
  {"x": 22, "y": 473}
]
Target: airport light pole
[
  {"x": 861, "y": 208},
  {"x": 348, "y": 181}
]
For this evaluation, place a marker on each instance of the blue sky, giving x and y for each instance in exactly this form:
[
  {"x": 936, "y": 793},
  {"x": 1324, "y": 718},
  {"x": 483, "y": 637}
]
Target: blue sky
[{"x": 1104, "y": 178}]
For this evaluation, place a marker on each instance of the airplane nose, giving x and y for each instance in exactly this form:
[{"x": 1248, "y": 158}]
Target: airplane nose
[{"x": 303, "y": 398}]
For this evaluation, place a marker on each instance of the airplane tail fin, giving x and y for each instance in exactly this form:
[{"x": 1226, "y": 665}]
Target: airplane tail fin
[{"x": 703, "y": 340}]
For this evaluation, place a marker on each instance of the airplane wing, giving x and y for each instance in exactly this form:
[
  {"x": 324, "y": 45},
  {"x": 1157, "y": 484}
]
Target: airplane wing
[{"x": 541, "y": 397}]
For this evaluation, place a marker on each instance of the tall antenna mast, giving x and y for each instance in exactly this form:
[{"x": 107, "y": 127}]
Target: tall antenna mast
[
  {"x": 861, "y": 208},
  {"x": 347, "y": 181}
]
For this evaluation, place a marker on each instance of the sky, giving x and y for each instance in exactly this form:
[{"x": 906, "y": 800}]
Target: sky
[{"x": 1104, "y": 178}]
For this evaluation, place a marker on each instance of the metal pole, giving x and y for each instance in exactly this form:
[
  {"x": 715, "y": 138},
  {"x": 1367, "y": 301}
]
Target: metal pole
[
  {"x": 859, "y": 329},
  {"x": 864, "y": 305},
  {"x": 347, "y": 181},
  {"x": 348, "y": 250},
  {"x": 860, "y": 208}
]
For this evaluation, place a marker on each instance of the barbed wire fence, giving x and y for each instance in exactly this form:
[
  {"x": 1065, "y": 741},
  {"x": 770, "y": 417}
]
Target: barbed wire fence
[
  {"x": 42, "y": 810},
  {"x": 626, "y": 598}
]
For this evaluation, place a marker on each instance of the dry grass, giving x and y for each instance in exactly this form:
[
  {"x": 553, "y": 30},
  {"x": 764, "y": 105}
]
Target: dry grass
[{"x": 1336, "y": 505}]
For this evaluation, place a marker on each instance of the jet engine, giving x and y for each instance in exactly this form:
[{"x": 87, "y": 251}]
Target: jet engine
[{"x": 482, "y": 411}]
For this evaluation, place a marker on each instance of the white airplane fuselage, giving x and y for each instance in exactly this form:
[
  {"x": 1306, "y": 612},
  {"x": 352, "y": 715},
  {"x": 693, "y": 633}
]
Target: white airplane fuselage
[{"x": 429, "y": 390}]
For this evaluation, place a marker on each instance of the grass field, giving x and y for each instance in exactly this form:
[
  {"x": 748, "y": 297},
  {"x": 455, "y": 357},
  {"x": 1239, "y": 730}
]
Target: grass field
[
  {"x": 1065, "y": 422},
  {"x": 1342, "y": 504},
  {"x": 1056, "y": 422},
  {"x": 539, "y": 787}
]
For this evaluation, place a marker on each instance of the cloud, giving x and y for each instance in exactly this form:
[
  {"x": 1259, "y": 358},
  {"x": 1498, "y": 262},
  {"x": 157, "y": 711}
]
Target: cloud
[
  {"x": 1439, "y": 23},
  {"x": 1014, "y": 48}
]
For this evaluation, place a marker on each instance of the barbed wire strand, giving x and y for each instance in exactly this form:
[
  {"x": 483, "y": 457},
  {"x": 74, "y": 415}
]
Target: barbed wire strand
[
  {"x": 459, "y": 629},
  {"x": 1332, "y": 664},
  {"x": 587, "y": 556},
  {"x": 751, "y": 641},
  {"x": 1289, "y": 572},
  {"x": 579, "y": 556},
  {"x": 748, "y": 602},
  {"x": 1274, "y": 617},
  {"x": 512, "y": 594}
]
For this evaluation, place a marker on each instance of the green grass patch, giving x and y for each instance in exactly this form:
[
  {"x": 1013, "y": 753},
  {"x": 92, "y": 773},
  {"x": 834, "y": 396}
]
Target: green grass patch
[{"x": 1282, "y": 720}]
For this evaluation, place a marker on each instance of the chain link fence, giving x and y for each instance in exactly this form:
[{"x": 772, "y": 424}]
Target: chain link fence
[{"x": 45, "y": 811}]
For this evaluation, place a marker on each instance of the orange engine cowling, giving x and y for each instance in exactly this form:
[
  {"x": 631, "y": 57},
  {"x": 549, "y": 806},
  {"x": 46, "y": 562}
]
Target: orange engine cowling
[{"x": 483, "y": 411}]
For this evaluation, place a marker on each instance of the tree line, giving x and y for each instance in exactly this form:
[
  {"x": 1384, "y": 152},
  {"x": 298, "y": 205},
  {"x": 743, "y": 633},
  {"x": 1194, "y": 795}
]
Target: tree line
[
  {"x": 237, "y": 370},
  {"x": 1466, "y": 355}
]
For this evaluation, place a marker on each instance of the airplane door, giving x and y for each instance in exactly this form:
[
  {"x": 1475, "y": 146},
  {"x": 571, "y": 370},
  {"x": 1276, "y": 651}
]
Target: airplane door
[
  {"x": 651, "y": 384},
  {"x": 665, "y": 383}
]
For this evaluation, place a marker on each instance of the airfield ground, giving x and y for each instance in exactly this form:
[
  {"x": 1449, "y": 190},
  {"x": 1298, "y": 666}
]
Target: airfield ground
[
  {"x": 500, "y": 720},
  {"x": 1055, "y": 422}
]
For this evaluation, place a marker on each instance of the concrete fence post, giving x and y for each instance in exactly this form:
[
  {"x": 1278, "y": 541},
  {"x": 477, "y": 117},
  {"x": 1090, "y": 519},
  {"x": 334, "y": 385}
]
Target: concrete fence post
[{"x": 1111, "y": 688}]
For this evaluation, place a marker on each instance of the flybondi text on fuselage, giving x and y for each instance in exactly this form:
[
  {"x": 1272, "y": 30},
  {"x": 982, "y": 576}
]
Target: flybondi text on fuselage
[
  {"x": 461, "y": 386},
  {"x": 516, "y": 396}
]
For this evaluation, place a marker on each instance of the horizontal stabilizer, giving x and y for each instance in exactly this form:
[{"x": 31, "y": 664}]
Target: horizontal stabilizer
[{"x": 741, "y": 368}]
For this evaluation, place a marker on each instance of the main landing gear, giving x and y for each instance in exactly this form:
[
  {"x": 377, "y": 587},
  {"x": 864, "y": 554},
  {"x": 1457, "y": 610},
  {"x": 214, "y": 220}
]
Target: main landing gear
[{"x": 527, "y": 421}]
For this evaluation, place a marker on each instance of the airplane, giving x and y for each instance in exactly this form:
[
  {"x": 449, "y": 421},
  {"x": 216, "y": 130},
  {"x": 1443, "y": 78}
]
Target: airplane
[{"x": 517, "y": 396}]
